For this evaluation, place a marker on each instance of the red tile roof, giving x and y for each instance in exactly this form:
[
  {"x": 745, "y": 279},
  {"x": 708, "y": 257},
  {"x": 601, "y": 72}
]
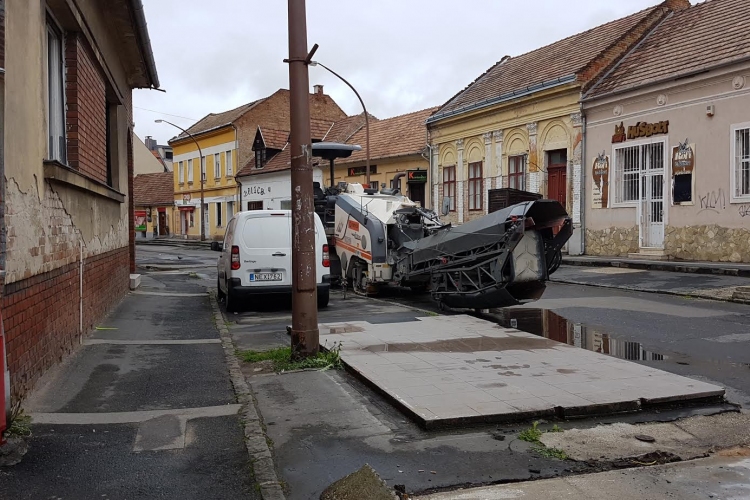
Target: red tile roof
[
  {"x": 153, "y": 189},
  {"x": 392, "y": 137},
  {"x": 706, "y": 35},
  {"x": 559, "y": 61},
  {"x": 217, "y": 120},
  {"x": 274, "y": 139}
]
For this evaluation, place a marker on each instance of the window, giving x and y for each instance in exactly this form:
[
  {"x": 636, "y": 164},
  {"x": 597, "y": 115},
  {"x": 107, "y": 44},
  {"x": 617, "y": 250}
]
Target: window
[
  {"x": 517, "y": 172},
  {"x": 229, "y": 164},
  {"x": 190, "y": 171},
  {"x": 449, "y": 185},
  {"x": 260, "y": 158},
  {"x": 255, "y": 205},
  {"x": 629, "y": 162},
  {"x": 217, "y": 166},
  {"x": 181, "y": 170},
  {"x": 286, "y": 204},
  {"x": 741, "y": 162},
  {"x": 168, "y": 155},
  {"x": 475, "y": 186},
  {"x": 56, "y": 146},
  {"x": 192, "y": 220},
  {"x": 230, "y": 210},
  {"x": 218, "y": 213}
]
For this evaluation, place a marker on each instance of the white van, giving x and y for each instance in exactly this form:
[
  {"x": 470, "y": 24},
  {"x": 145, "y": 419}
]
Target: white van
[{"x": 256, "y": 257}]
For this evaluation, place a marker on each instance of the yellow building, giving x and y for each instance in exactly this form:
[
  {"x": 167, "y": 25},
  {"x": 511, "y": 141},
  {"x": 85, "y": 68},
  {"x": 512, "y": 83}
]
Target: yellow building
[
  {"x": 397, "y": 145},
  {"x": 520, "y": 126},
  {"x": 153, "y": 200},
  {"x": 226, "y": 141}
]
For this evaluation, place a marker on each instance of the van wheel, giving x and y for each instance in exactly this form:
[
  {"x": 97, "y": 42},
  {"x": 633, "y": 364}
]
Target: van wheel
[
  {"x": 230, "y": 301},
  {"x": 323, "y": 299},
  {"x": 219, "y": 293}
]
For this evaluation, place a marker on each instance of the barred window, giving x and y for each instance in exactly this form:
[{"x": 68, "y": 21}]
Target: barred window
[
  {"x": 630, "y": 161},
  {"x": 741, "y": 163}
]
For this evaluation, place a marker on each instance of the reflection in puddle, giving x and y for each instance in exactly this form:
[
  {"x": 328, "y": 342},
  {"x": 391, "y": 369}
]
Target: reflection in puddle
[{"x": 545, "y": 323}]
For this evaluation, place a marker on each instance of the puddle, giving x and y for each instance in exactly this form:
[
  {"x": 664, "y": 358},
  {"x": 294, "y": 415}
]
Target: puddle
[{"x": 547, "y": 324}]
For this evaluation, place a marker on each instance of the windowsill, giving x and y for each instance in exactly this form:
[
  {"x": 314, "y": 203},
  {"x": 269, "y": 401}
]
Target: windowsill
[{"x": 57, "y": 172}]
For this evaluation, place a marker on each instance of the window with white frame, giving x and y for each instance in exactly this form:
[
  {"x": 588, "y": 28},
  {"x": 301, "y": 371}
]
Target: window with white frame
[
  {"x": 741, "y": 162},
  {"x": 630, "y": 161},
  {"x": 181, "y": 170},
  {"x": 218, "y": 213},
  {"x": 230, "y": 169},
  {"x": 217, "y": 166},
  {"x": 190, "y": 171},
  {"x": 56, "y": 146}
]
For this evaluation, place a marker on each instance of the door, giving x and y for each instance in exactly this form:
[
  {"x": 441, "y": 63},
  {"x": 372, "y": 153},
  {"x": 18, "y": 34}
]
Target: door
[
  {"x": 417, "y": 192},
  {"x": 266, "y": 250},
  {"x": 184, "y": 221},
  {"x": 162, "y": 223},
  {"x": 557, "y": 173},
  {"x": 651, "y": 206},
  {"x": 205, "y": 220}
]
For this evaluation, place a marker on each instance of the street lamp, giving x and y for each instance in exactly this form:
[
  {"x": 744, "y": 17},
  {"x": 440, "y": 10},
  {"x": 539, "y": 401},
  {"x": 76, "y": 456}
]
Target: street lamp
[
  {"x": 203, "y": 175},
  {"x": 367, "y": 118}
]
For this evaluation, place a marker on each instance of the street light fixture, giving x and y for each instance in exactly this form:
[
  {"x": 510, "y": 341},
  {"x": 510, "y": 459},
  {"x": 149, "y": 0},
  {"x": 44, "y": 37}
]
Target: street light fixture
[
  {"x": 203, "y": 175},
  {"x": 367, "y": 118}
]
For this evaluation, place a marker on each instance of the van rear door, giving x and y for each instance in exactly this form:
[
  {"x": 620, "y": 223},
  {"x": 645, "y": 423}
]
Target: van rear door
[{"x": 266, "y": 256}]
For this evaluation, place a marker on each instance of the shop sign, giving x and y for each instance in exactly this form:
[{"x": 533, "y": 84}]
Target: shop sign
[
  {"x": 186, "y": 199},
  {"x": 140, "y": 220},
  {"x": 256, "y": 190},
  {"x": 357, "y": 171},
  {"x": 639, "y": 130},
  {"x": 683, "y": 166},
  {"x": 600, "y": 175},
  {"x": 416, "y": 176}
]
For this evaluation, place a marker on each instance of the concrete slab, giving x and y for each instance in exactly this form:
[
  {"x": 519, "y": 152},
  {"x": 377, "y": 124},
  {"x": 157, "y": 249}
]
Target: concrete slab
[{"x": 459, "y": 369}]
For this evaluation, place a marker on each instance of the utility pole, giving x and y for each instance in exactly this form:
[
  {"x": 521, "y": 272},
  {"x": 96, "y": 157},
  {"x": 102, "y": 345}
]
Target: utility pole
[{"x": 305, "y": 334}]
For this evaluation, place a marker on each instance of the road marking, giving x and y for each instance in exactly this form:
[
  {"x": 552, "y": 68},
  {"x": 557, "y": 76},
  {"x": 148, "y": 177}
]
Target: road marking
[
  {"x": 151, "y": 342},
  {"x": 132, "y": 417},
  {"x": 170, "y": 294},
  {"x": 614, "y": 270}
]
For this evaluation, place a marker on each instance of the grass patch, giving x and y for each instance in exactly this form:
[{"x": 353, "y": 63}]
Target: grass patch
[
  {"x": 20, "y": 425},
  {"x": 282, "y": 359},
  {"x": 533, "y": 434}
]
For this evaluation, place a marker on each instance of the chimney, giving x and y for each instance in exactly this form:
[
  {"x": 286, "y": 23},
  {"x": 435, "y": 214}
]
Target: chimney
[
  {"x": 677, "y": 5},
  {"x": 318, "y": 89},
  {"x": 150, "y": 143}
]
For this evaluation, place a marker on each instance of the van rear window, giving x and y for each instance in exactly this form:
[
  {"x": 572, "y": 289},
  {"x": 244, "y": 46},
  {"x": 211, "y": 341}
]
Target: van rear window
[{"x": 268, "y": 232}]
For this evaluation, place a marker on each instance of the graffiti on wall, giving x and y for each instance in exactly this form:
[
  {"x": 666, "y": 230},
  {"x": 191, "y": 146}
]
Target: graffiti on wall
[{"x": 713, "y": 201}]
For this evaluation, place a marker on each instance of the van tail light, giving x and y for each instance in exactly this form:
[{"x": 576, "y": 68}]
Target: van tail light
[
  {"x": 235, "y": 258},
  {"x": 326, "y": 257}
]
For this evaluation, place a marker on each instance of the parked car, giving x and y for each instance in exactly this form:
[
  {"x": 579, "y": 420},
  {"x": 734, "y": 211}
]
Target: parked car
[{"x": 256, "y": 257}]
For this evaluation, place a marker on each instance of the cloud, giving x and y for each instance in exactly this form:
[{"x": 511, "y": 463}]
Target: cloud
[{"x": 401, "y": 55}]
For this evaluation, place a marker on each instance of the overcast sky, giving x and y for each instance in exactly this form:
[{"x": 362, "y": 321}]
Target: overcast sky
[{"x": 401, "y": 55}]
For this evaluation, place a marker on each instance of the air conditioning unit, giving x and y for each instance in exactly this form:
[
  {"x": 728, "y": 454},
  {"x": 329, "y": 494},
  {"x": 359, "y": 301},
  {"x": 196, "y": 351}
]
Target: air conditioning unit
[{"x": 710, "y": 110}]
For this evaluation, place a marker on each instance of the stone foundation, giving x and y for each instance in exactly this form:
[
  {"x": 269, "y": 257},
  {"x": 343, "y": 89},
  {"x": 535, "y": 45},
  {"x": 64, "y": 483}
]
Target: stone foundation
[
  {"x": 613, "y": 241},
  {"x": 710, "y": 243}
]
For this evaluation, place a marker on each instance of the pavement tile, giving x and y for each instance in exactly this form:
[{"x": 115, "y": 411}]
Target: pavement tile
[
  {"x": 493, "y": 408},
  {"x": 567, "y": 400},
  {"x": 530, "y": 404}
]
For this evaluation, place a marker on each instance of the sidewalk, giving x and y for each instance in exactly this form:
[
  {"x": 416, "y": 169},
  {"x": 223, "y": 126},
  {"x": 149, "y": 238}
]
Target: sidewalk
[
  {"x": 680, "y": 266},
  {"x": 174, "y": 241},
  {"x": 144, "y": 409},
  {"x": 717, "y": 477},
  {"x": 707, "y": 286}
]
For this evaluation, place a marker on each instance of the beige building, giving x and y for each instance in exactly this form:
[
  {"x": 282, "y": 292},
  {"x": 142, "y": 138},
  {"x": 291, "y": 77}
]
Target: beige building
[
  {"x": 67, "y": 161},
  {"x": 668, "y": 142},
  {"x": 145, "y": 161},
  {"x": 153, "y": 200},
  {"x": 519, "y": 125}
]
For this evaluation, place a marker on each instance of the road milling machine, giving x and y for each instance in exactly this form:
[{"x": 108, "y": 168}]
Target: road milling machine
[{"x": 383, "y": 238}]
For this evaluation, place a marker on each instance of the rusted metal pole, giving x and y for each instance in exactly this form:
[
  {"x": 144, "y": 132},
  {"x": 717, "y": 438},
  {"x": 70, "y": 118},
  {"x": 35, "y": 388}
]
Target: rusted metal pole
[{"x": 305, "y": 334}]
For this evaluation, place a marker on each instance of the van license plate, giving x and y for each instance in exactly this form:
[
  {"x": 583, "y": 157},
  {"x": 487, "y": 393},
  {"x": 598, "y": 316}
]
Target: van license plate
[{"x": 265, "y": 277}]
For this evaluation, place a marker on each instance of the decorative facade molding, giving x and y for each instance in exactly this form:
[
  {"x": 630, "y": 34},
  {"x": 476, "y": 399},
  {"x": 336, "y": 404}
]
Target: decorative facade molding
[
  {"x": 577, "y": 119},
  {"x": 617, "y": 111},
  {"x": 487, "y": 138},
  {"x": 531, "y": 127},
  {"x": 460, "y": 143},
  {"x": 661, "y": 100},
  {"x": 738, "y": 82},
  {"x": 497, "y": 135}
]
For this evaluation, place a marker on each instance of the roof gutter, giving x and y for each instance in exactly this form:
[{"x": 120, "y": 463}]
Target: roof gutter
[
  {"x": 144, "y": 41},
  {"x": 671, "y": 78},
  {"x": 504, "y": 97}
]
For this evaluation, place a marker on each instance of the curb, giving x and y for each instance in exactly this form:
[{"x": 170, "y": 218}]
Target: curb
[
  {"x": 670, "y": 266},
  {"x": 644, "y": 290},
  {"x": 255, "y": 438}
]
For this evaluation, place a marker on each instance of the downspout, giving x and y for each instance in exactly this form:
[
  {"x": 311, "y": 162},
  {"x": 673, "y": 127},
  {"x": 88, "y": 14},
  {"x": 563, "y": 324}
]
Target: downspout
[{"x": 584, "y": 168}]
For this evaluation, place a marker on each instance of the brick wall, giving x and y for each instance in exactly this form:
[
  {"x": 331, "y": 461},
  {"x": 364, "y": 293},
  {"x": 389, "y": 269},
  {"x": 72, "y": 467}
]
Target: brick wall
[
  {"x": 41, "y": 313},
  {"x": 85, "y": 92}
]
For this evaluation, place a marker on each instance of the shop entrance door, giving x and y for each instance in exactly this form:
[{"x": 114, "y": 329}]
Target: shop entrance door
[
  {"x": 162, "y": 223},
  {"x": 651, "y": 206}
]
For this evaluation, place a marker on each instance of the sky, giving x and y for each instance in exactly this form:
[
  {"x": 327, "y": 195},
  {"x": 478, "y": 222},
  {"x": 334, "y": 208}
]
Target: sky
[{"x": 400, "y": 55}]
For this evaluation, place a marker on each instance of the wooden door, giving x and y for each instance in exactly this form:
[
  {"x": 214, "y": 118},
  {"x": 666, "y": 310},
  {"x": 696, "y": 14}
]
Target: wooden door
[
  {"x": 162, "y": 223},
  {"x": 557, "y": 184}
]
